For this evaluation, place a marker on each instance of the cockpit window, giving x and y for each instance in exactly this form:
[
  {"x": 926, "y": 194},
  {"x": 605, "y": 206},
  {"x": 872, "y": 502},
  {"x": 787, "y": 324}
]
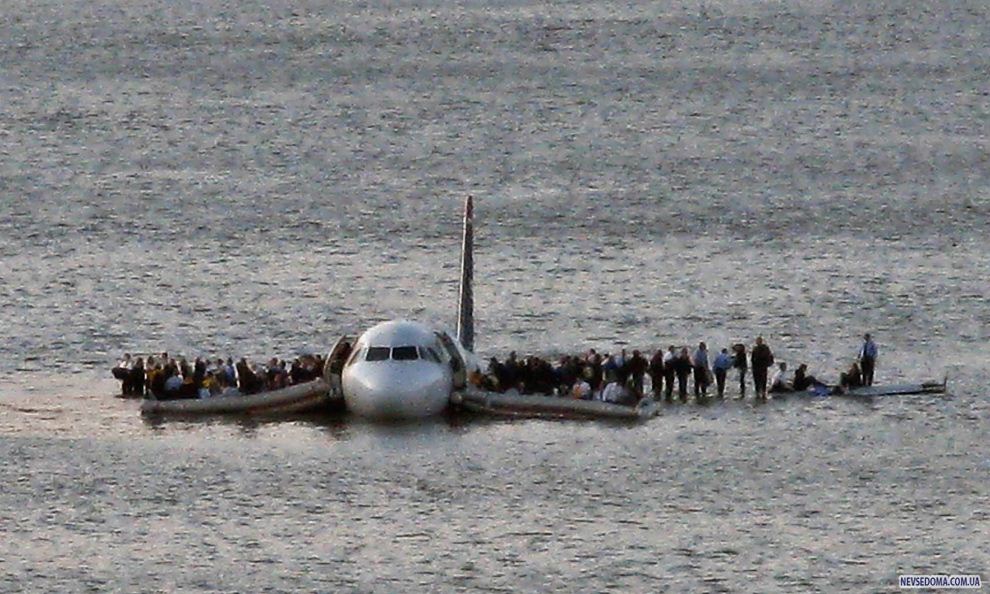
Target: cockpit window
[
  {"x": 429, "y": 354},
  {"x": 356, "y": 355},
  {"x": 377, "y": 354},
  {"x": 405, "y": 353}
]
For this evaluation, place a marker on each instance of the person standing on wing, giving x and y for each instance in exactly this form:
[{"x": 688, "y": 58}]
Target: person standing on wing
[
  {"x": 669, "y": 372},
  {"x": 868, "y": 359},
  {"x": 700, "y": 365},
  {"x": 722, "y": 365},
  {"x": 683, "y": 368},
  {"x": 656, "y": 374},
  {"x": 762, "y": 359},
  {"x": 637, "y": 366},
  {"x": 739, "y": 362}
]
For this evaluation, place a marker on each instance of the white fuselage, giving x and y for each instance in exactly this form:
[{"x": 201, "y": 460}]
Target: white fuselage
[{"x": 401, "y": 370}]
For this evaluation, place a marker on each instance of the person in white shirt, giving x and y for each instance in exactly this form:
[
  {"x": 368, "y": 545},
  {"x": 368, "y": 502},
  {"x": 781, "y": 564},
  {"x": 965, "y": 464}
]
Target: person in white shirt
[
  {"x": 122, "y": 372},
  {"x": 668, "y": 371},
  {"x": 780, "y": 382},
  {"x": 614, "y": 392}
]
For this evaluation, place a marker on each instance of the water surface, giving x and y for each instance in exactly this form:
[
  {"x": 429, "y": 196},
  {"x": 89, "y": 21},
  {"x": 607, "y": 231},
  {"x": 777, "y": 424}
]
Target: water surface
[{"x": 257, "y": 178}]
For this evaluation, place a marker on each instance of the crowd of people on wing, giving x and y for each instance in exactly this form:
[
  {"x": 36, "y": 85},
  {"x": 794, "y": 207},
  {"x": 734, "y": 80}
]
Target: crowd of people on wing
[
  {"x": 166, "y": 378},
  {"x": 621, "y": 378},
  {"x": 618, "y": 378}
]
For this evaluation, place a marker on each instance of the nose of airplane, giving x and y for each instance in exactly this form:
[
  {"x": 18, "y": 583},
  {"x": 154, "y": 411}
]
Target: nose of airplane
[{"x": 396, "y": 389}]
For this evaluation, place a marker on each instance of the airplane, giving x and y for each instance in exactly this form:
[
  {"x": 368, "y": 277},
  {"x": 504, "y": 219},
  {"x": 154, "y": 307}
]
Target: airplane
[{"x": 403, "y": 369}]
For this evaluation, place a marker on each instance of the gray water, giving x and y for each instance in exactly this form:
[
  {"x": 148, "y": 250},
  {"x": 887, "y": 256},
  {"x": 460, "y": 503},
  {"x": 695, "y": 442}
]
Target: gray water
[{"x": 224, "y": 178}]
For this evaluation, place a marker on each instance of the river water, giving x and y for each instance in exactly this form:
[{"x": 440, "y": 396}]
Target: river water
[{"x": 219, "y": 178}]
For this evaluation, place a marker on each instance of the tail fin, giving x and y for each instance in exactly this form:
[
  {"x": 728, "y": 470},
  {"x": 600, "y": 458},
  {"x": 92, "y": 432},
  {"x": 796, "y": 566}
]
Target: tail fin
[{"x": 465, "y": 316}]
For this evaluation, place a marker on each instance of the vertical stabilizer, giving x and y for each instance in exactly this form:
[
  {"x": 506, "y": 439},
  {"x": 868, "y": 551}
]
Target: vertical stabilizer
[{"x": 465, "y": 315}]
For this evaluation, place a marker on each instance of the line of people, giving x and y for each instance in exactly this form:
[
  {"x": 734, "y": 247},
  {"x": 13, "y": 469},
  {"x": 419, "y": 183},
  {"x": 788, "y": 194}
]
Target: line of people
[
  {"x": 621, "y": 378},
  {"x": 168, "y": 378}
]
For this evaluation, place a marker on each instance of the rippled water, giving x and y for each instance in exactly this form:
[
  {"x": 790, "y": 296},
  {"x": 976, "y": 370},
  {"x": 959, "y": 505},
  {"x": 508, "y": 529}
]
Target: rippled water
[{"x": 256, "y": 178}]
